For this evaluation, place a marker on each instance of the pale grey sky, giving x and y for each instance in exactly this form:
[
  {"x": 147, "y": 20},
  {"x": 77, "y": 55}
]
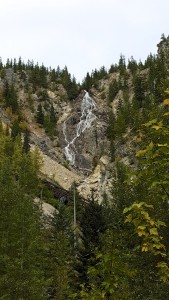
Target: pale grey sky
[{"x": 82, "y": 34}]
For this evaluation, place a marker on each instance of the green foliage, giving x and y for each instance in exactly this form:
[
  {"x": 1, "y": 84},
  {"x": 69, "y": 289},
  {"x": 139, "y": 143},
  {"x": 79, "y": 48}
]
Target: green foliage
[
  {"x": 92, "y": 80},
  {"x": 69, "y": 84},
  {"x": 122, "y": 65},
  {"x": 92, "y": 224},
  {"x": 113, "y": 68},
  {"x": 38, "y": 76},
  {"x": 26, "y": 141},
  {"x": 153, "y": 173},
  {"x": 15, "y": 129},
  {"x": 10, "y": 96},
  {"x": 132, "y": 65},
  {"x": 60, "y": 254},
  {"x": 146, "y": 228},
  {"x": 118, "y": 264},
  {"x": 139, "y": 91},
  {"x": 21, "y": 247},
  {"x": 52, "y": 115},
  {"x": 40, "y": 115},
  {"x": 113, "y": 90},
  {"x": 87, "y": 83},
  {"x": 50, "y": 122},
  {"x": 109, "y": 277},
  {"x": 110, "y": 272}
]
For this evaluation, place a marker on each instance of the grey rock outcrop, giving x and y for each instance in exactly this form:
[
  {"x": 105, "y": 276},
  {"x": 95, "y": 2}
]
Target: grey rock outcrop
[{"x": 92, "y": 143}]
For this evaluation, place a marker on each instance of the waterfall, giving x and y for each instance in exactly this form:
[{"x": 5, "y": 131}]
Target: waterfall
[{"x": 87, "y": 117}]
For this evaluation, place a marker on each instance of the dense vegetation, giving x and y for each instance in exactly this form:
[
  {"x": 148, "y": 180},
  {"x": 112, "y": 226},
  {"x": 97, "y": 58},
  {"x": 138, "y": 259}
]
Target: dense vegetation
[{"x": 119, "y": 249}]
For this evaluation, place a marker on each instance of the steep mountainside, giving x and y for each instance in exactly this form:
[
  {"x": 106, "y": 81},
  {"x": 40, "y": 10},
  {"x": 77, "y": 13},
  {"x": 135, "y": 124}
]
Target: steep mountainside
[{"x": 82, "y": 134}]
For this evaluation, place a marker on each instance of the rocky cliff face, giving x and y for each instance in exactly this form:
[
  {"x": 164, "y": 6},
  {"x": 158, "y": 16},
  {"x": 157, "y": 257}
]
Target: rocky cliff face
[
  {"x": 81, "y": 130},
  {"x": 88, "y": 154}
]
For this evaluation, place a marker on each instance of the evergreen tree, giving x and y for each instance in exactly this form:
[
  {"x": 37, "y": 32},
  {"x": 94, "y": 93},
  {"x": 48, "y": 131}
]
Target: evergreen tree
[
  {"x": 53, "y": 75},
  {"x": 26, "y": 141},
  {"x": 52, "y": 115},
  {"x": 73, "y": 90},
  {"x": 92, "y": 224},
  {"x": 10, "y": 96},
  {"x": 40, "y": 115},
  {"x": 50, "y": 122},
  {"x": 15, "y": 129},
  {"x": 113, "y": 68},
  {"x": 60, "y": 248},
  {"x": 21, "y": 247},
  {"x": 1, "y": 64},
  {"x": 66, "y": 79},
  {"x": 122, "y": 65},
  {"x": 132, "y": 65},
  {"x": 87, "y": 82},
  {"x": 139, "y": 91},
  {"x": 113, "y": 90}
]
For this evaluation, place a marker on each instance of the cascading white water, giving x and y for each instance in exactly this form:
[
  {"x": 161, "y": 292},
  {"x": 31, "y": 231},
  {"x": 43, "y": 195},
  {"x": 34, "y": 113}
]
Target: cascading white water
[{"x": 86, "y": 120}]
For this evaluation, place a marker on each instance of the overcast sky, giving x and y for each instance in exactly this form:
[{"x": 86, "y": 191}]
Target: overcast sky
[{"x": 82, "y": 34}]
